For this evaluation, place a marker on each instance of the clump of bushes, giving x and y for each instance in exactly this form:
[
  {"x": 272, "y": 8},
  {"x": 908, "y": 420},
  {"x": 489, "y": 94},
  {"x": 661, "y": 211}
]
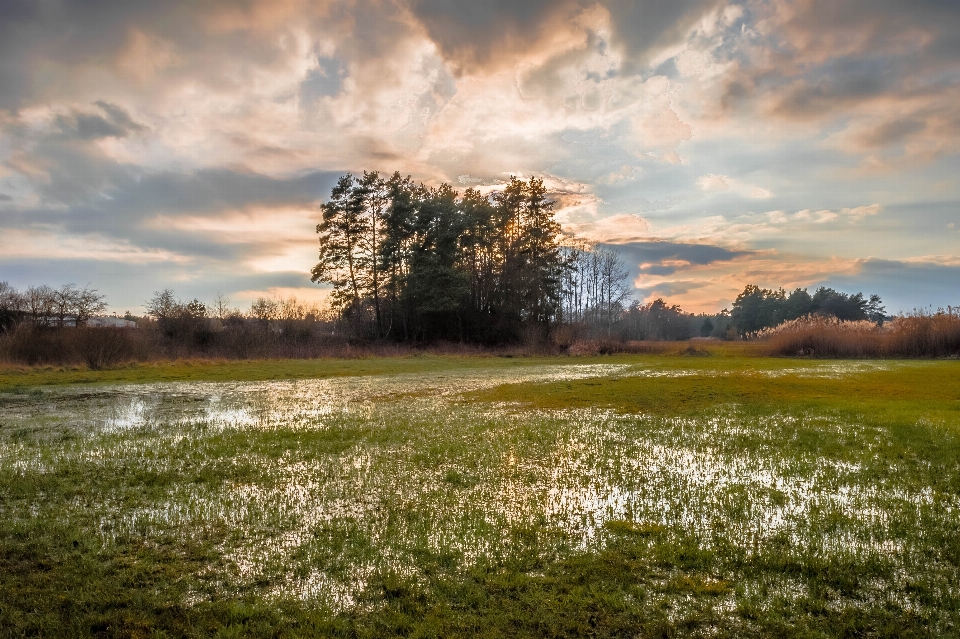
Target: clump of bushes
[
  {"x": 920, "y": 334},
  {"x": 96, "y": 347}
]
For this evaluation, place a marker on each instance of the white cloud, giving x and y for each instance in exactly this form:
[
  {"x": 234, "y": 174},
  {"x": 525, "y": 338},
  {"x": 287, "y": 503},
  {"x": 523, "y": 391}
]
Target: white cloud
[{"x": 712, "y": 183}]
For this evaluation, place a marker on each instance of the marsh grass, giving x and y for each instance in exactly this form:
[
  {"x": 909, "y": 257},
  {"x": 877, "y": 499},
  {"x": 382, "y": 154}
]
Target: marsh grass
[
  {"x": 921, "y": 334},
  {"x": 704, "y": 496}
]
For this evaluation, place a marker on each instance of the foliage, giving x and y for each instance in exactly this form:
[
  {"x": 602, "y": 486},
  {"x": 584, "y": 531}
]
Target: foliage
[
  {"x": 409, "y": 262},
  {"x": 656, "y": 321}
]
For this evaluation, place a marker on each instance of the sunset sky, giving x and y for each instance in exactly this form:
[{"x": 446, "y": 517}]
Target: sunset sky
[{"x": 148, "y": 144}]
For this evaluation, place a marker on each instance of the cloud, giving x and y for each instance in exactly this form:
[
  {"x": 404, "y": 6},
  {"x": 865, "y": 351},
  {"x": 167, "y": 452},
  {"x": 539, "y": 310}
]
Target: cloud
[
  {"x": 490, "y": 36},
  {"x": 115, "y": 122},
  {"x": 205, "y": 133},
  {"x": 659, "y": 250},
  {"x": 882, "y": 75},
  {"x": 712, "y": 183},
  {"x": 904, "y": 285},
  {"x": 661, "y": 257}
]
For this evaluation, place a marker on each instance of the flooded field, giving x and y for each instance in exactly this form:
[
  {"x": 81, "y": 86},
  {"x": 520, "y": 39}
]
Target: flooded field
[{"x": 382, "y": 504}]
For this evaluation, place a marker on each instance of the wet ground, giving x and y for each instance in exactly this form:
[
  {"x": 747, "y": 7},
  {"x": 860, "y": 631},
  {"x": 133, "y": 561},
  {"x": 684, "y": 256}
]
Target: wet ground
[{"x": 314, "y": 489}]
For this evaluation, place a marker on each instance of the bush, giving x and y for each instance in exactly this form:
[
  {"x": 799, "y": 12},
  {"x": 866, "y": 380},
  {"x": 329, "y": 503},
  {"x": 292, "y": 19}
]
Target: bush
[
  {"x": 32, "y": 345},
  {"x": 102, "y": 347}
]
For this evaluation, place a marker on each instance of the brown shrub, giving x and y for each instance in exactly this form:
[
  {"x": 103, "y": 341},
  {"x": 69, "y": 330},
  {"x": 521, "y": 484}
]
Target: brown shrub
[
  {"x": 102, "y": 347},
  {"x": 34, "y": 345}
]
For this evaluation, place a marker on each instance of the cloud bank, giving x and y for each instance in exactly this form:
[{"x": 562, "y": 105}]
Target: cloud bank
[{"x": 715, "y": 143}]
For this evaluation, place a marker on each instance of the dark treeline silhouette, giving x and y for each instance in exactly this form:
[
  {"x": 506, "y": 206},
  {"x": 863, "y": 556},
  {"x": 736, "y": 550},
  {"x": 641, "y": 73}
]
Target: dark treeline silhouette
[{"x": 414, "y": 263}]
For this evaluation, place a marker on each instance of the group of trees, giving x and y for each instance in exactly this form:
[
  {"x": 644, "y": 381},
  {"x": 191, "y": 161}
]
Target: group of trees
[
  {"x": 758, "y": 308},
  {"x": 595, "y": 287},
  {"x": 411, "y": 262},
  {"x": 68, "y": 305}
]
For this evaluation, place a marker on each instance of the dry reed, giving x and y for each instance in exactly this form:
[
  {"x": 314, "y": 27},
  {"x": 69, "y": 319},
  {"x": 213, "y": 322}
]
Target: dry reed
[{"x": 920, "y": 334}]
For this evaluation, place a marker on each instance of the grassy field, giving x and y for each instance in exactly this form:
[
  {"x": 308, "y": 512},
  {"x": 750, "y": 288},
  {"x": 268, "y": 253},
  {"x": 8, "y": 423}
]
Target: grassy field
[{"x": 650, "y": 496}]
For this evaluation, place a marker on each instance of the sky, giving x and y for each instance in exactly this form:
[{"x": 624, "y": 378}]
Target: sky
[{"x": 189, "y": 145}]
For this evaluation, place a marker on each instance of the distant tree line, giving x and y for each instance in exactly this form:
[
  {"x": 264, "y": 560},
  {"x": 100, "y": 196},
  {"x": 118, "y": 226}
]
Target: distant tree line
[
  {"x": 67, "y": 305},
  {"x": 270, "y": 321},
  {"x": 409, "y": 262},
  {"x": 758, "y": 308}
]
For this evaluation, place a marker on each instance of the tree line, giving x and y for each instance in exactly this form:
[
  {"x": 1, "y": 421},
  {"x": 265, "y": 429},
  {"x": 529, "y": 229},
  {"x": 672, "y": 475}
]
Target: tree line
[
  {"x": 414, "y": 263},
  {"x": 48, "y": 306}
]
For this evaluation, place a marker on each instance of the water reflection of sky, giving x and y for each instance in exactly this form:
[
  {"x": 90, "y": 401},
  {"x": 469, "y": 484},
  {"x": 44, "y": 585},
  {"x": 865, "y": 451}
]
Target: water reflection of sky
[{"x": 453, "y": 478}]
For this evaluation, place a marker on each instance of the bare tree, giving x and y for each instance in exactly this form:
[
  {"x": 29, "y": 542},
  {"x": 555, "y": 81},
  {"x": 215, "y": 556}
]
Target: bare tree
[
  {"x": 221, "y": 307},
  {"x": 162, "y": 305},
  {"x": 596, "y": 286},
  {"x": 39, "y": 303},
  {"x": 87, "y": 302},
  {"x": 64, "y": 301}
]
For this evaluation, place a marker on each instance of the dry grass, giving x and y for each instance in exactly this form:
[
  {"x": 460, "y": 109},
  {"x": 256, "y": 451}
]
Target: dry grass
[
  {"x": 590, "y": 347},
  {"x": 917, "y": 335},
  {"x": 99, "y": 348}
]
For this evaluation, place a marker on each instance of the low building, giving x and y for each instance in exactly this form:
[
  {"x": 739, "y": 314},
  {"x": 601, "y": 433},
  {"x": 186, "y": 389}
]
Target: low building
[{"x": 111, "y": 322}]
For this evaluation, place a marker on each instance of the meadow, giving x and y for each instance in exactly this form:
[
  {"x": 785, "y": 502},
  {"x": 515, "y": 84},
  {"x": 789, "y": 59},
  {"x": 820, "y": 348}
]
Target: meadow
[{"x": 705, "y": 494}]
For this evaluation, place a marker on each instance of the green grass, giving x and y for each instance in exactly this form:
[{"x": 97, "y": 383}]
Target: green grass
[
  {"x": 623, "y": 496},
  {"x": 13, "y": 378}
]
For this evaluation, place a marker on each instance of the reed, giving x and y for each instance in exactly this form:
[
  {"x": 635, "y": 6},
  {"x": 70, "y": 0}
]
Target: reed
[{"x": 919, "y": 334}]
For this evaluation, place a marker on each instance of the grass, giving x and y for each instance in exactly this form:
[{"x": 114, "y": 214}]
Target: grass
[
  {"x": 14, "y": 376},
  {"x": 431, "y": 496}
]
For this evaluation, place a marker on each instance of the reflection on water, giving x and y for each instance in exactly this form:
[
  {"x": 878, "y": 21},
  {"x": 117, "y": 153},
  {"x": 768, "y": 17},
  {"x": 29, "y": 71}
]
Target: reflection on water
[{"x": 322, "y": 484}]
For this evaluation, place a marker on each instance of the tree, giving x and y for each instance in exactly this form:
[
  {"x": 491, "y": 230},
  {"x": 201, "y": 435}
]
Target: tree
[
  {"x": 12, "y": 306},
  {"x": 340, "y": 232},
  {"x": 875, "y": 310},
  {"x": 221, "y": 307},
  {"x": 706, "y": 328},
  {"x": 756, "y": 308},
  {"x": 796, "y": 305},
  {"x": 539, "y": 248},
  {"x": 39, "y": 303},
  {"x": 87, "y": 302},
  {"x": 264, "y": 309},
  {"x": 656, "y": 321},
  {"x": 162, "y": 305},
  {"x": 414, "y": 262},
  {"x": 63, "y": 300},
  {"x": 595, "y": 286},
  {"x": 196, "y": 309}
]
